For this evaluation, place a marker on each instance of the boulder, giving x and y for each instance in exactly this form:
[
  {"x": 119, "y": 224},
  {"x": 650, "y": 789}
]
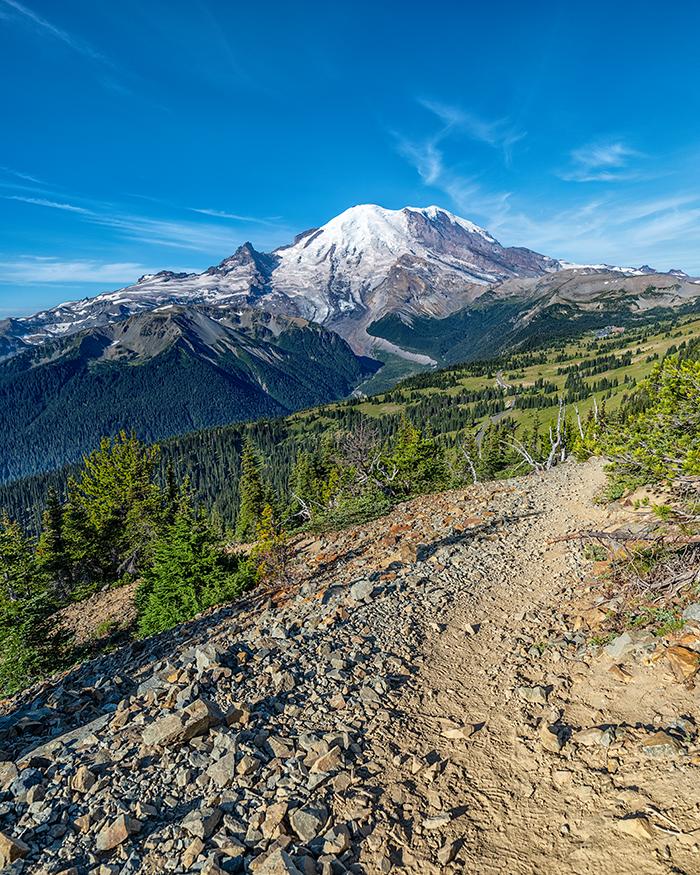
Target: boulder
[
  {"x": 117, "y": 832},
  {"x": 307, "y": 822},
  {"x": 83, "y": 780},
  {"x": 192, "y": 852},
  {"x": 222, "y": 772},
  {"x": 361, "y": 590},
  {"x": 662, "y": 746},
  {"x": 536, "y": 695},
  {"x": 634, "y": 642},
  {"x": 276, "y": 863},
  {"x": 196, "y": 719},
  {"x": 594, "y": 736},
  {"x": 8, "y": 772},
  {"x": 684, "y": 662},
  {"x": 692, "y": 612},
  {"x": 11, "y": 849},
  {"x": 203, "y": 822}
]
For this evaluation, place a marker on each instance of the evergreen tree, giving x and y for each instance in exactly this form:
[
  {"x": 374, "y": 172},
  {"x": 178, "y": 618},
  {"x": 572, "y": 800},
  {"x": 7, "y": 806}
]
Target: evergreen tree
[
  {"x": 52, "y": 550},
  {"x": 414, "y": 462},
  {"x": 189, "y": 573},
  {"x": 271, "y": 550},
  {"x": 29, "y": 647},
  {"x": 252, "y": 493},
  {"x": 114, "y": 510}
]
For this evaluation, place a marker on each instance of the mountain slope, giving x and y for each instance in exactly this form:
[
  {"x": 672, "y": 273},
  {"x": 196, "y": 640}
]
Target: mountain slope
[
  {"x": 163, "y": 373},
  {"x": 362, "y": 264},
  {"x": 534, "y": 310},
  {"x": 423, "y": 688}
]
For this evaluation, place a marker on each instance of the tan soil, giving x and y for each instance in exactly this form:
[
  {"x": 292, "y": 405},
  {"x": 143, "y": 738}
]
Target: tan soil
[
  {"x": 525, "y": 809},
  {"x": 100, "y": 616}
]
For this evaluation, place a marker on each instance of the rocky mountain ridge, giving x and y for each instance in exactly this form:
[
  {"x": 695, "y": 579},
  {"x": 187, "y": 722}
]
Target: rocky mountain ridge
[
  {"x": 365, "y": 264},
  {"x": 164, "y": 372}
]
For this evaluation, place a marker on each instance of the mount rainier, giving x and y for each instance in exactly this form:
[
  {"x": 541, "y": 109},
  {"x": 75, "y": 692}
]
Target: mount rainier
[{"x": 362, "y": 268}]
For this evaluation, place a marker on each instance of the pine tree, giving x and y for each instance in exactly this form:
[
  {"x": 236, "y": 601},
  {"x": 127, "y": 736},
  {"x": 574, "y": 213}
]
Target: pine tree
[
  {"x": 271, "y": 549},
  {"x": 114, "y": 510},
  {"x": 52, "y": 550},
  {"x": 414, "y": 462},
  {"x": 29, "y": 646},
  {"x": 252, "y": 493},
  {"x": 189, "y": 573}
]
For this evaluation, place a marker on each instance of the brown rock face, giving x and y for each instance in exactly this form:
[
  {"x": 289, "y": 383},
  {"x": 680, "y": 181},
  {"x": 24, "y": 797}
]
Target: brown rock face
[
  {"x": 117, "y": 832},
  {"x": 684, "y": 662},
  {"x": 11, "y": 849}
]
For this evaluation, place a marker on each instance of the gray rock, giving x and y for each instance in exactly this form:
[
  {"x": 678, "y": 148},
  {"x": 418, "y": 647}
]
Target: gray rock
[
  {"x": 308, "y": 822},
  {"x": 594, "y": 736},
  {"x": 536, "y": 695},
  {"x": 223, "y": 771},
  {"x": 361, "y": 590},
  {"x": 206, "y": 656},
  {"x": 636, "y": 641},
  {"x": 277, "y": 863},
  {"x": 692, "y": 612},
  {"x": 202, "y": 823}
]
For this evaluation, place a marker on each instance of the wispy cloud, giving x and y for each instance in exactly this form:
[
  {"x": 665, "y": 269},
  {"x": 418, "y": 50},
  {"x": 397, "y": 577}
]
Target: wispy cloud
[
  {"x": 222, "y": 214},
  {"x": 465, "y": 190},
  {"x": 195, "y": 236},
  {"x": 53, "y": 270},
  {"x": 601, "y": 162},
  {"x": 43, "y": 202},
  {"x": 500, "y": 134},
  {"x": 44, "y": 26},
  {"x": 626, "y": 229},
  {"x": 18, "y": 174}
]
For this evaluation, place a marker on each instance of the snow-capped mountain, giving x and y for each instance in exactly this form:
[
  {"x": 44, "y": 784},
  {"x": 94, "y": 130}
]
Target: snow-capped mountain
[{"x": 363, "y": 265}]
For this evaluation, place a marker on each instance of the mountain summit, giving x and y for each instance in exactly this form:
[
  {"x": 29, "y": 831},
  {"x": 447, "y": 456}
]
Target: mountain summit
[
  {"x": 364, "y": 263},
  {"x": 364, "y": 266}
]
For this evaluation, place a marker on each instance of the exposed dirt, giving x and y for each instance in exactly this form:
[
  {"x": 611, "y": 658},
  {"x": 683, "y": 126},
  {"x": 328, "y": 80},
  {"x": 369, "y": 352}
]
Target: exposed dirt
[
  {"x": 514, "y": 806},
  {"x": 101, "y": 616},
  {"x": 481, "y": 728}
]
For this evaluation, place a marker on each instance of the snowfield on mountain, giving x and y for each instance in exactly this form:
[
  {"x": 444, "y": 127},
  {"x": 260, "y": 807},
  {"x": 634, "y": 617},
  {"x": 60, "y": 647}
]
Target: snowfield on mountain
[{"x": 361, "y": 266}]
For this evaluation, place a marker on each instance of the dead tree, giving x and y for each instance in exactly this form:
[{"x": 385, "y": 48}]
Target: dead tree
[
  {"x": 557, "y": 443},
  {"x": 362, "y": 450},
  {"x": 470, "y": 462}
]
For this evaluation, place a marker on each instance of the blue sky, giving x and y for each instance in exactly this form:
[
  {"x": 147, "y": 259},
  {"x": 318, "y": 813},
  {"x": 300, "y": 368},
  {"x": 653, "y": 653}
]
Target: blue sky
[{"x": 140, "y": 136}]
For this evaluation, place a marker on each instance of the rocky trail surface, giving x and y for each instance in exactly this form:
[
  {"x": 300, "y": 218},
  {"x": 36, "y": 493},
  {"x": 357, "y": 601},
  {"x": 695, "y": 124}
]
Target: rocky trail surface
[{"x": 420, "y": 697}]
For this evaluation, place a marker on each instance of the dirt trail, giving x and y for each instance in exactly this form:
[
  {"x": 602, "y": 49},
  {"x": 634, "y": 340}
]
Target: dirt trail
[
  {"x": 496, "y": 417},
  {"x": 419, "y": 698},
  {"x": 497, "y": 801}
]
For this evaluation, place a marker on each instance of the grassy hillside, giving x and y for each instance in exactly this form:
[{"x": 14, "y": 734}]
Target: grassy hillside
[{"x": 452, "y": 403}]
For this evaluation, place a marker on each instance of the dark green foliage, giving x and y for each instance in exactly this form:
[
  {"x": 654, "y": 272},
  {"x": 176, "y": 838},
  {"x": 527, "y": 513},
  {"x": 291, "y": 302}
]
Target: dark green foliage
[
  {"x": 252, "y": 494},
  {"x": 115, "y": 524},
  {"x": 190, "y": 572},
  {"x": 656, "y": 435},
  {"x": 493, "y": 326},
  {"x": 57, "y": 401},
  {"x": 414, "y": 462},
  {"x": 113, "y": 511},
  {"x": 29, "y": 645}
]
